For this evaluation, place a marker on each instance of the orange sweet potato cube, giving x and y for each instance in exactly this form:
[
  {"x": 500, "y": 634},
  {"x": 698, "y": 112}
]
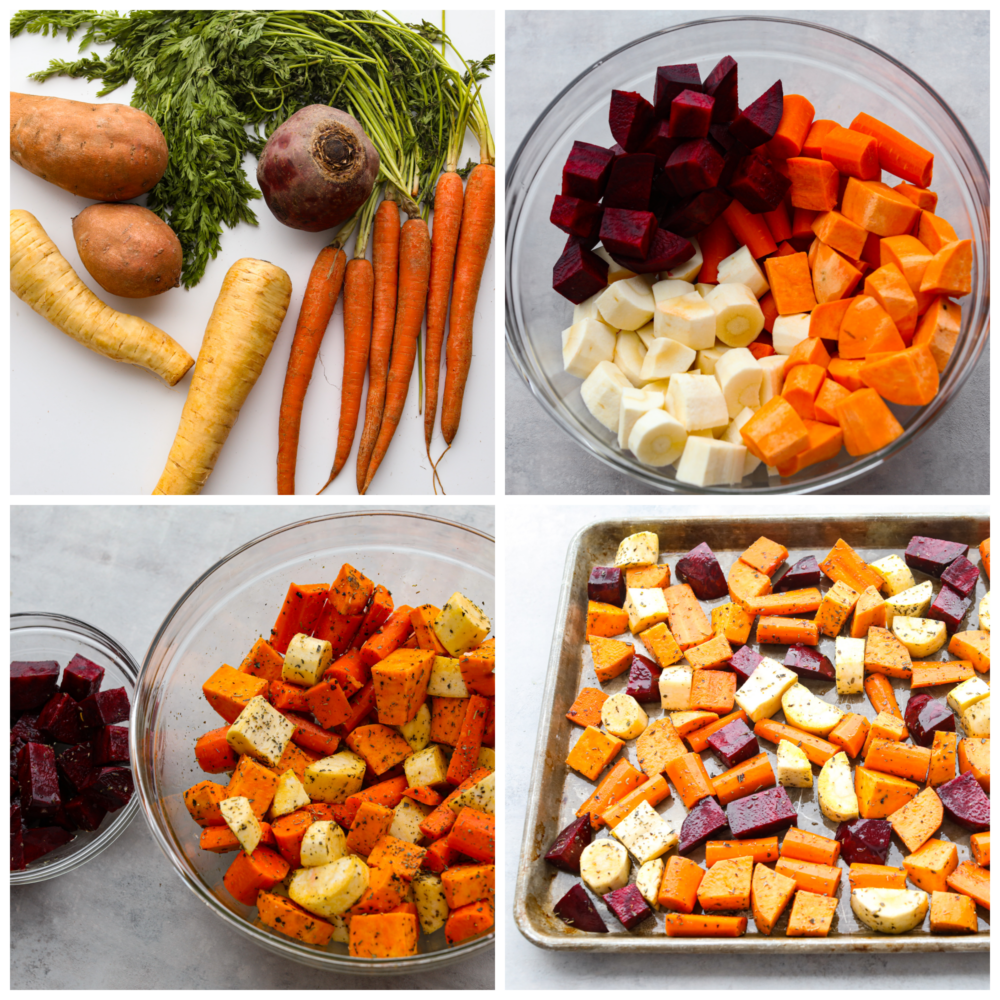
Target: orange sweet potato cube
[
  {"x": 593, "y": 752},
  {"x": 765, "y": 556},
  {"x": 229, "y": 691},
  {"x": 400, "y": 682},
  {"x": 255, "y": 782},
  {"x": 586, "y": 710},
  {"x": 611, "y": 656}
]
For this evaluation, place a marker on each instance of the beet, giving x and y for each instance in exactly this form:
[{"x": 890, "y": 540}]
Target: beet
[
  {"x": 105, "y": 708},
  {"x": 587, "y": 242},
  {"x": 761, "y": 814},
  {"x": 77, "y": 766},
  {"x": 809, "y": 663},
  {"x": 643, "y": 679},
  {"x": 81, "y": 678},
  {"x": 630, "y": 117},
  {"x": 965, "y": 802},
  {"x": 87, "y": 811},
  {"x": 949, "y": 606},
  {"x": 757, "y": 124},
  {"x": 60, "y": 719},
  {"x": 26, "y": 730},
  {"x": 566, "y": 849},
  {"x": 722, "y": 84},
  {"x": 697, "y": 213},
  {"x": 114, "y": 786},
  {"x": 32, "y": 683},
  {"x": 932, "y": 555},
  {"x": 864, "y": 841},
  {"x": 664, "y": 197},
  {"x": 666, "y": 251},
  {"x": 575, "y": 216},
  {"x": 628, "y": 232},
  {"x": 628, "y": 905},
  {"x": 17, "y": 862},
  {"x": 924, "y": 715},
  {"x": 42, "y": 840},
  {"x": 732, "y": 158},
  {"x": 579, "y": 273},
  {"x": 659, "y": 142},
  {"x": 705, "y": 819},
  {"x": 690, "y": 115},
  {"x": 576, "y": 909},
  {"x": 631, "y": 182},
  {"x": 733, "y": 743},
  {"x": 317, "y": 168},
  {"x": 961, "y": 575},
  {"x": 39, "y": 781},
  {"x": 701, "y": 571},
  {"x": 757, "y": 186},
  {"x": 607, "y": 585},
  {"x": 805, "y": 573},
  {"x": 744, "y": 662},
  {"x": 671, "y": 81},
  {"x": 586, "y": 172},
  {"x": 694, "y": 166}
]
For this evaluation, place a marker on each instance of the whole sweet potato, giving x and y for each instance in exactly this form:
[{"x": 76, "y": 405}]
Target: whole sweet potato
[{"x": 106, "y": 152}]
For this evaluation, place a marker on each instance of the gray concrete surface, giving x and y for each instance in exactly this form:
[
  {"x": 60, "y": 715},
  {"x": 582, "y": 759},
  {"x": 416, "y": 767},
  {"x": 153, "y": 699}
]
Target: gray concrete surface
[
  {"x": 125, "y": 920},
  {"x": 545, "y": 50},
  {"x": 539, "y": 535}
]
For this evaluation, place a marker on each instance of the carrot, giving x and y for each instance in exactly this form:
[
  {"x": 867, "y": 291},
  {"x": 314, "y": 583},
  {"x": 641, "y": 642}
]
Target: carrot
[
  {"x": 780, "y": 225},
  {"x": 750, "y": 230},
  {"x": 925, "y": 200},
  {"x": 864, "y": 876},
  {"x": 690, "y": 778},
  {"x": 43, "y": 278},
  {"x": 770, "y": 311},
  {"x": 942, "y": 766},
  {"x": 814, "y": 184},
  {"x": 810, "y": 876},
  {"x": 801, "y": 845},
  {"x": 897, "y": 154},
  {"x": 770, "y": 893},
  {"x": 814, "y": 140},
  {"x": 878, "y": 687},
  {"x": 717, "y": 243},
  {"x": 850, "y": 733},
  {"x": 622, "y": 779},
  {"x": 250, "y": 873},
  {"x": 679, "y": 884},
  {"x": 288, "y": 697},
  {"x": 901, "y": 759},
  {"x": 852, "y": 153},
  {"x": 786, "y": 631},
  {"x": 761, "y": 850},
  {"x": 288, "y": 833},
  {"x": 802, "y": 220},
  {"x": 654, "y": 791},
  {"x": 818, "y": 750},
  {"x": 917, "y": 821},
  {"x": 868, "y": 424},
  {"x": 796, "y": 120},
  {"x": 744, "y": 779},
  {"x": 309, "y": 736},
  {"x": 222, "y": 840},
  {"x": 389, "y": 636},
  {"x": 385, "y": 265},
  {"x": 300, "y": 611},
  {"x": 647, "y": 577},
  {"x": 238, "y": 339},
  {"x": 704, "y": 925},
  {"x": 388, "y": 793}
]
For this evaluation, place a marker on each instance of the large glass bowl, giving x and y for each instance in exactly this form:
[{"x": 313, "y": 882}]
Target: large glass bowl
[
  {"x": 842, "y": 76},
  {"x": 44, "y": 636},
  {"x": 420, "y": 559}
]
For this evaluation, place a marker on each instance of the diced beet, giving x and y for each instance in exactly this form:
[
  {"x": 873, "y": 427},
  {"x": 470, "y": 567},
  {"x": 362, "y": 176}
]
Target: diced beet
[
  {"x": 961, "y": 575},
  {"x": 579, "y": 273},
  {"x": 566, "y": 849},
  {"x": 628, "y": 232},
  {"x": 607, "y": 585},
  {"x": 724, "y": 139},
  {"x": 81, "y": 678},
  {"x": 43, "y": 839},
  {"x": 701, "y": 571},
  {"x": 923, "y": 716},
  {"x": 757, "y": 186},
  {"x": 87, "y": 811},
  {"x": 810, "y": 663},
  {"x": 732, "y": 158},
  {"x": 659, "y": 141},
  {"x": 664, "y": 197},
  {"x": 17, "y": 862},
  {"x": 586, "y": 172},
  {"x": 733, "y": 743},
  {"x": 666, "y": 251},
  {"x": 616, "y": 150},
  {"x": 77, "y": 765},
  {"x": 694, "y": 166},
  {"x": 628, "y": 905},
  {"x": 705, "y": 819},
  {"x": 643, "y": 679},
  {"x": 864, "y": 841},
  {"x": 114, "y": 786},
  {"x": 965, "y": 802},
  {"x": 111, "y": 746},
  {"x": 631, "y": 182},
  {"x": 698, "y": 213},
  {"x": 690, "y": 115},
  {"x": 39, "y": 781},
  {"x": 576, "y": 909},
  {"x": 757, "y": 124},
  {"x": 932, "y": 555},
  {"x": 744, "y": 662},
  {"x": 761, "y": 814},
  {"x": 32, "y": 683},
  {"x": 61, "y": 818},
  {"x": 805, "y": 573},
  {"x": 26, "y": 729},
  {"x": 670, "y": 81},
  {"x": 722, "y": 84},
  {"x": 630, "y": 117},
  {"x": 16, "y": 745},
  {"x": 105, "y": 708},
  {"x": 574, "y": 215},
  {"x": 949, "y": 606},
  {"x": 587, "y": 242},
  {"x": 60, "y": 719}
]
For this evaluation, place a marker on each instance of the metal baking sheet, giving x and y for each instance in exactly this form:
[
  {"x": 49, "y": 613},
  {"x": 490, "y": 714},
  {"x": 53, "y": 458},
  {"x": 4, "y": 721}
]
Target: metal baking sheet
[{"x": 557, "y": 792}]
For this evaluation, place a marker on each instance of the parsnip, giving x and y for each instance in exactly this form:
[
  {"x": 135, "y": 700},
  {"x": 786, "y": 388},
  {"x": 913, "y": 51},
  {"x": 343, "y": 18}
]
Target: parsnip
[
  {"x": 41, "y": 277},
  {"x": 238, "y": 339}
]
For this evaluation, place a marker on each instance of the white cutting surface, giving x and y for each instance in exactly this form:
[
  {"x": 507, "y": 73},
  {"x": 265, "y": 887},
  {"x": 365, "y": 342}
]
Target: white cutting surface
[{"x": 81, "y": 424}]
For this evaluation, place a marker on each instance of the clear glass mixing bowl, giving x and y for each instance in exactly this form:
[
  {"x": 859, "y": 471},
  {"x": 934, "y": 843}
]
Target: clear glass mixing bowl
[
  {"x": 420, "y": 559},
  {"x": 44, "y": 636},
  {"x": 842, "y": 76}
]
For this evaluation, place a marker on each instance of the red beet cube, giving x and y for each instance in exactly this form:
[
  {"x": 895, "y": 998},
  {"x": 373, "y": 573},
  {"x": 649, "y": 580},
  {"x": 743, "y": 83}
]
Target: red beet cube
[
  {"x": 670, "y": 81},
  {"x": 114, "y": 786},
  {"x": 43, "y": 839},
  {"x": 961, "y": 576},
  {"x": 574, "y": 215},
  {"x": 32, "y": 683},
  {"x": 105, "y": 708},
  {"x": 17, "y": 862},
  {"x": 666, "y": 251},
  {"x": 932, "y": 555},
  {"x": 576, "y": 910},
  {"x": 81, "y": 678},
  {"x": 586, "y": 172},
  {"x": 627, "y": 232},
  {"x": 761, "y": 814},
  {"x": 60, "y": 719},
  {"x": 805, "y": 573},
  {"x": 578, "y": 274},
  {"x": 757, "y": 186},
  {"x": 607, "y": 585},
  {"x": 643, "y": 679},
  {"x": 705, "y": 819},
  {"x": 111, "y": 746},
  {"x": 965, "y": 802},
  {"x": 722, "y": 84},
  {"x": 631, "y": 182},
  {"x": 755, "y": 125},
  {"x": 39, "y": 781},
  {"x": 26, "y": 730},
  {"x": 76, "y": 764},
  {"x": 566, "y": 849},
  {"x": 697, "y": 213},
  {"x": 733, "y": 743},
  {"x": 87, "y": 811},
  {"x": 924, "y": 715},
  {"x": 690, "y": 115},
  {"x": 808, "y": 662},
  {"x": 630, "y": 117},
  {"x": 659, "y": 141},
  {"x": 694, "y": 166},
  {"x": 701, "y": 571},
  {"x": 949, "y": 607},
  {"x": 864, "y": 841},
  {"x": 628, "y": 905},
  {"x": 744, "y": 662}
]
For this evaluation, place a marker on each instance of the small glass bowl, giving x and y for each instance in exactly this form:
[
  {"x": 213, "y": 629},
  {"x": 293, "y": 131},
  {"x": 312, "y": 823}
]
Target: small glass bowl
[
  {"x": 40, "y": 635},
  {"x": 842, "y": 76},
  {"x": 419, "y": 558}
]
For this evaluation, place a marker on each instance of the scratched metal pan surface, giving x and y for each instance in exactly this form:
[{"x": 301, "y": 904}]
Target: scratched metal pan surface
[{"x": 557, "y": 792}]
